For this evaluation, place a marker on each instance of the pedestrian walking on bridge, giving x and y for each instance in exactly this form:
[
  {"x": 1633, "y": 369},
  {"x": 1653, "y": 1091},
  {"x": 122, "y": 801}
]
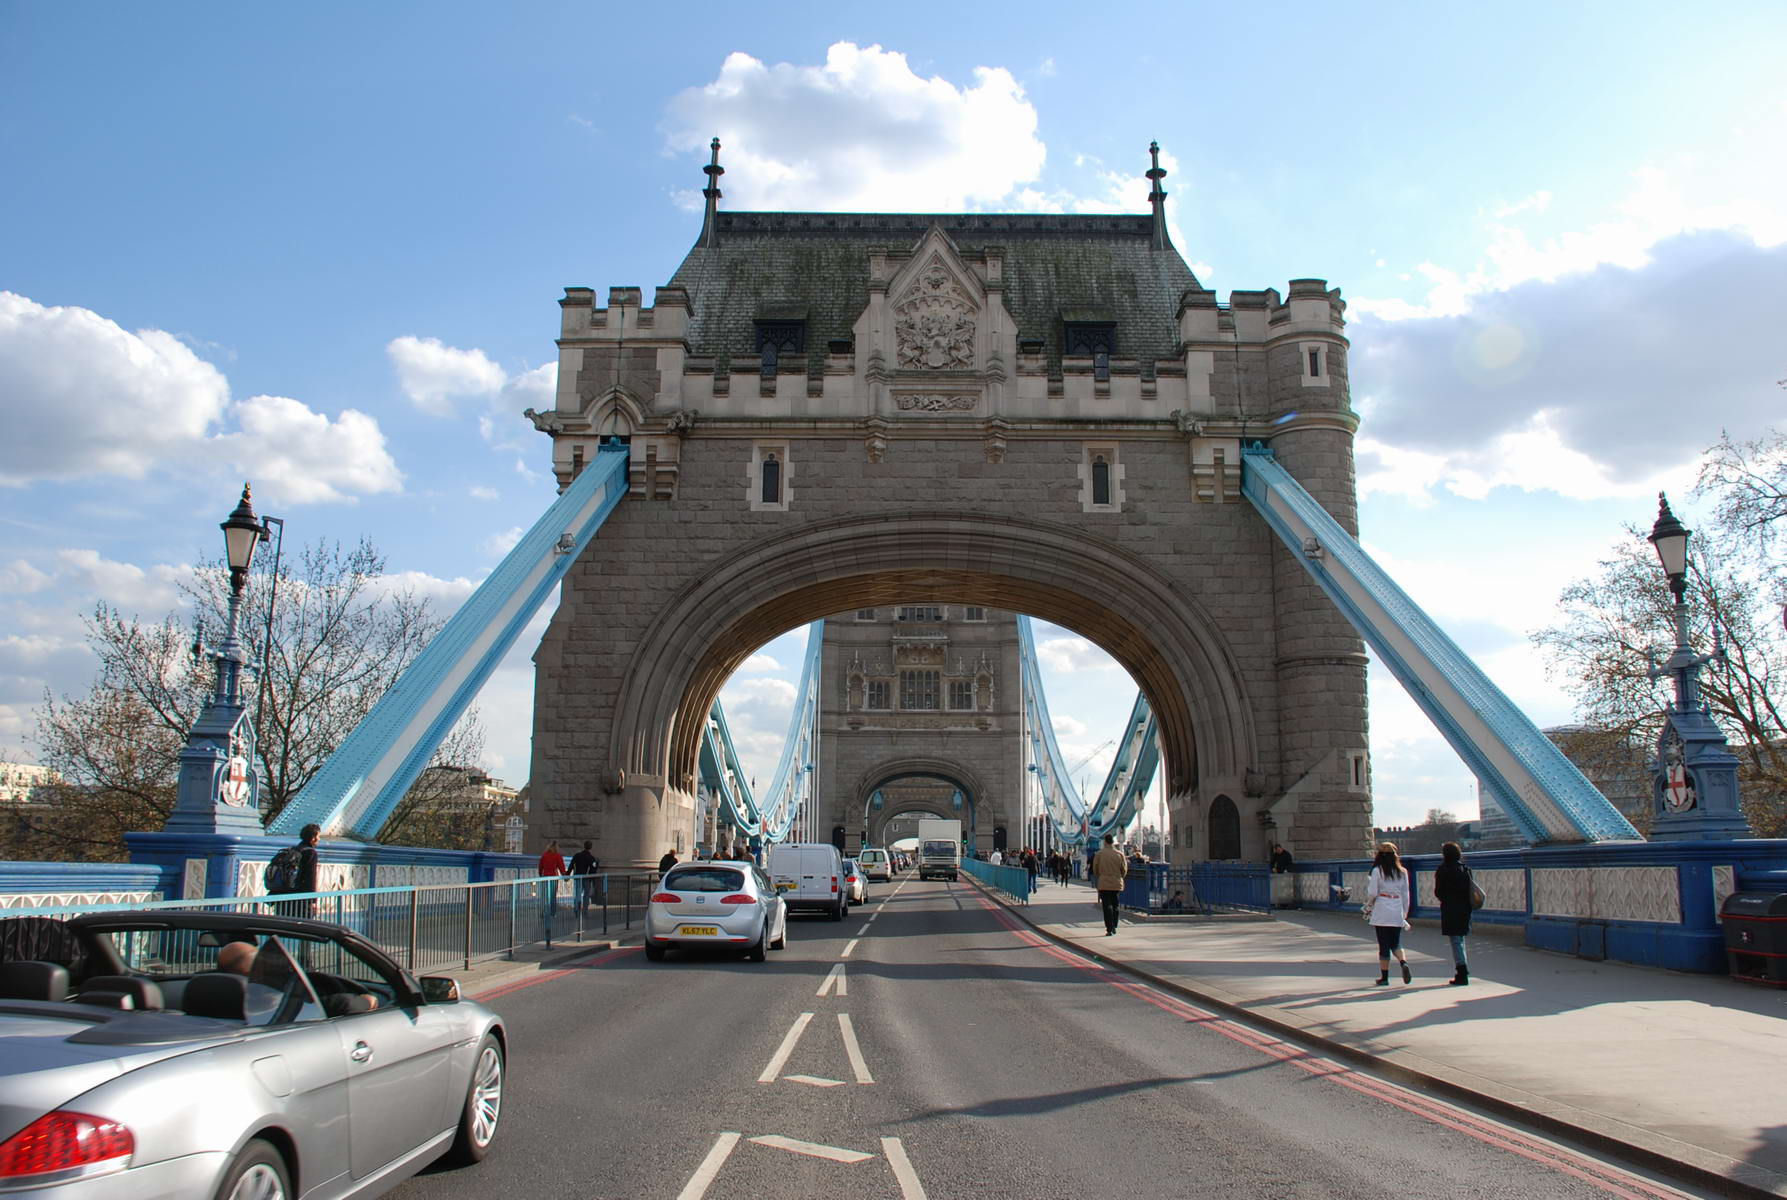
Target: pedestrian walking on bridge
[
  {"x": 1388, "y": 897},
  {"x": 1455, "y": 890},
  {"x": 1108, "y": 870}
]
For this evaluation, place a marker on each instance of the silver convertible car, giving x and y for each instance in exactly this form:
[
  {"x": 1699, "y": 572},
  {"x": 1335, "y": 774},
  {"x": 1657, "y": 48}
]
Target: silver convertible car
[{"x": 151, "y": 1054}]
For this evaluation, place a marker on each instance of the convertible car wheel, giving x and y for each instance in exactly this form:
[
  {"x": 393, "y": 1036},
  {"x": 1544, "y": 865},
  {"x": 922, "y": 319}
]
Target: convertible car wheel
[
  {"x": 258, "y": 1173},
  {"x": 483, "y": 1106}
]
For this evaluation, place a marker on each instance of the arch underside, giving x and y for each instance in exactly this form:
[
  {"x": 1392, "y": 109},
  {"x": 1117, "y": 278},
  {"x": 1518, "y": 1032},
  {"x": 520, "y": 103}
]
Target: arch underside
[{"x": 1160, "y": 635}]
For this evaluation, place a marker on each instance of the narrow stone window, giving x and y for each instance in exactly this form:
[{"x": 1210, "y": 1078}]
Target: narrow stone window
[
  {"x": 973, "y": 613},
  {"x": 880, "y": 695},
  {"x": 1315, "y": 363},
  {"x": 920, "y": 690},
  {"x": 865, "y": 614},
  {"x": 961, "y": 694},
  {"x": 772, "y": 479},
  {"x": 1101, "y": 480}
]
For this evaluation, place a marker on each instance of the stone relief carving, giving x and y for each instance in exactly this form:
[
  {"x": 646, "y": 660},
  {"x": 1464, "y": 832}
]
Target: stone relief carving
[
  {"x": 934, "y": 403},
  {"x": 681, "y": 421},
  {"x": 934, "y": 323},
  {"x": 993, "y": 440},
  {"x": 1187, "y": 424}
]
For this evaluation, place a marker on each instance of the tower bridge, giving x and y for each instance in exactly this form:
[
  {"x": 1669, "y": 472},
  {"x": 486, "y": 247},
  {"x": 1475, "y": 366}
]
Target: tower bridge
[{"x": 827, "y": 415}]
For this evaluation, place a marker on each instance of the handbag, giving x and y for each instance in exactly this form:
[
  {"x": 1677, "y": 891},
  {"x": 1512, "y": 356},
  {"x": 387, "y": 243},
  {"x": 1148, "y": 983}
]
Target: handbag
[{"x": 1477, "y": 896}]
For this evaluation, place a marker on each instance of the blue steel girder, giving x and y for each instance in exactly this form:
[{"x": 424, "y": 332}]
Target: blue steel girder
[
  {"x": 1542, "y": 792},
  {"x": 355, "y": 792},
  {"x": 1125, "y": 785},
  {"x": 793, "y": 782}
]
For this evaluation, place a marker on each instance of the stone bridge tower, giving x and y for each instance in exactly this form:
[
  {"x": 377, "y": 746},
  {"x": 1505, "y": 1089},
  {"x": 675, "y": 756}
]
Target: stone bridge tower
[
  {"x": 1032, "y": 413},
  {"x": 921, "y": 692}
]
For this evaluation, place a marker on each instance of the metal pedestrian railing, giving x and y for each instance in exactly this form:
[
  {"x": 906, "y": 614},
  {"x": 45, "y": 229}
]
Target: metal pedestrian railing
[
  {"x": 1013, "y": 881},
  {"x": 432, "y": 926},
  {"x": 1207, "y": 888}
]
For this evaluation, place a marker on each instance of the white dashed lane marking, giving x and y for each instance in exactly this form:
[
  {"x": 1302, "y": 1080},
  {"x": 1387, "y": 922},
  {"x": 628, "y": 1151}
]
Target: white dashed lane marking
[
  {"x": 812, "y": 1149},
  {"x": 780, "y": 1059},
  {"x": 834, "y": 980},
  {"x": 853, "y": 1050}
]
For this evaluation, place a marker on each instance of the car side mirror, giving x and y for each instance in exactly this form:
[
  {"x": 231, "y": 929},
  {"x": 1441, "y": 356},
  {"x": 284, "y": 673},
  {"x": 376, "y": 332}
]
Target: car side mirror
[{"x": 439, "y": 989}]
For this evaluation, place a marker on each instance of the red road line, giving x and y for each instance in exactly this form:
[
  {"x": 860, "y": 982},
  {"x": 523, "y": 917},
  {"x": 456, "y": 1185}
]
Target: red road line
[
  {"x": 1504, "y": 1137},
  {"x": 599, "y": 958}
]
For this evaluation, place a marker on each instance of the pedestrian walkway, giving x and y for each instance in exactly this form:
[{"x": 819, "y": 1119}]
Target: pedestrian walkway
[{"x": 1647, "y": 1062}]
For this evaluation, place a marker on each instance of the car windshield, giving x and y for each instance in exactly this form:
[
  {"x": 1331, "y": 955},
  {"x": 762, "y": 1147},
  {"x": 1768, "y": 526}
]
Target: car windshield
[
  {"x": 939, "y": 847},
  {"x": 872, "y": 856},
  {"x": 704, "y": 879},
  {"x": 278, "y": 989}
]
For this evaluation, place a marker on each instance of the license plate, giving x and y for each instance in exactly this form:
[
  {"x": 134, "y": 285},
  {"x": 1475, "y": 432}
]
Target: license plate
[
  {"x": 699, "y": 931},
  {"x": 786, "y": 885}
]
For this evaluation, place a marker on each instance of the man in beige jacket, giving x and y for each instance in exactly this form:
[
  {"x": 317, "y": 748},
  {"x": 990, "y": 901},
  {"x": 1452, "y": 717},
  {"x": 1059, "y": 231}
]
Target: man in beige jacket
[{"x": 1108, "y": 870}]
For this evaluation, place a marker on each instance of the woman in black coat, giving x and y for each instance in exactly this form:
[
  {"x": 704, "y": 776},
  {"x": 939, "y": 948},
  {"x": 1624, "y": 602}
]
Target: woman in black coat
[{"x": 1452, "y": 887}]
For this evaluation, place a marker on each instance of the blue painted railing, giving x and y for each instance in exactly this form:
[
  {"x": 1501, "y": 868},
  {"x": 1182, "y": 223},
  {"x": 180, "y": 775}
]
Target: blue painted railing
[
  {"x": 1205, "y": 887},
  {"x": 1013, "y": 881}
]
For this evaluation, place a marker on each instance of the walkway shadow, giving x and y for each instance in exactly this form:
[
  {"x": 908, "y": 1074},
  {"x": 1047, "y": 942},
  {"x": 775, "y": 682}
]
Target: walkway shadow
[{"x": 1017, "y": 1106}]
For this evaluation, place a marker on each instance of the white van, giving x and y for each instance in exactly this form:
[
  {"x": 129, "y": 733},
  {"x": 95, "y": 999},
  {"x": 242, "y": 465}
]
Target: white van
[
  {"x": 810, "y": 877},
  {"x": 874, "y": 864}
]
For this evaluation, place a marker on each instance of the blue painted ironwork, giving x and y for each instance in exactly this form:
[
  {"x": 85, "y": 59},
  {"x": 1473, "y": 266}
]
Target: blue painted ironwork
[
  {"x": 356, "y": 791},
  {"x": 1013, "y": 881},
  {"x": 722, "y": 774},
  {"x": 1125, "y": 785},
  {"x": 1542, "y": 792},
  {"x": 1206, "y": 887}
]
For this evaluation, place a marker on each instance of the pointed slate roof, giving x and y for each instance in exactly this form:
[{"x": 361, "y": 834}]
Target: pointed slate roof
[{"x": 780, "y": 265}]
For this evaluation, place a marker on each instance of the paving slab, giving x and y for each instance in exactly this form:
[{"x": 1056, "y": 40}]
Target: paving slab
[{"x": 1660, "y": 1065}]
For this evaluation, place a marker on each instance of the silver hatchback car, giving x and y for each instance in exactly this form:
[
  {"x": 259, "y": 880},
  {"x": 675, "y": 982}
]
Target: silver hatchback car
[
  {"x": 719, "y": 904},
  {"x": 172, "y": 1054}
]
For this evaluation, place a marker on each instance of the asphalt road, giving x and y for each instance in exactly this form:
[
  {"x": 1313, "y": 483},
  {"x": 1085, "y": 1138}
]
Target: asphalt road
[{"x": 930, "y": 1046}]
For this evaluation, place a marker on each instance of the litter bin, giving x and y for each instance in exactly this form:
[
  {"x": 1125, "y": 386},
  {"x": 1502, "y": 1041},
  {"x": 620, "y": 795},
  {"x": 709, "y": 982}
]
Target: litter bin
[{"x": 1756, "y": 936}]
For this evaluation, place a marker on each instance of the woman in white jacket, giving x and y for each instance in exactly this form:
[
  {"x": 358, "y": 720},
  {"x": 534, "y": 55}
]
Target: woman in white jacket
[{"x": 1389, "y": 895}]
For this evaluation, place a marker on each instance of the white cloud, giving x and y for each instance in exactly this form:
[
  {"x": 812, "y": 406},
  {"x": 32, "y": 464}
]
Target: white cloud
[
  {"x": 1592, "y": 385},
  {"x": 863, "y": 132},
  {"x": 760, "y": 662},
  {"x": 81, "y": 396},
  {"x": 1071, "y": 654},
  {"x": 499, "y": 544},
  {"x": 298, "y": 456},
  {"x": 151, "y": 591},
  {"x": 146, "y": 403},
  {"x": 1066, "y": 726},
  {"x": 479, "y": 492},
  {"x": 20, "y": 578},
  {"x": 432, "y": 374}
]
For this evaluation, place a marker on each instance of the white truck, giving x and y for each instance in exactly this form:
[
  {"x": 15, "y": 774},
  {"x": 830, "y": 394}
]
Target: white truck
[{"x": 939, "y": 848}]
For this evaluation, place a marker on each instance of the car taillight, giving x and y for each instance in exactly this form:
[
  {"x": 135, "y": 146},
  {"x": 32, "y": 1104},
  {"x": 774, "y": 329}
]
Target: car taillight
[
  {"x": 834, "y": 883},
  {"x": 741, "y": 898},
  {"x": 66, "y": 1142},
  {"x": 666, "y": 898}
]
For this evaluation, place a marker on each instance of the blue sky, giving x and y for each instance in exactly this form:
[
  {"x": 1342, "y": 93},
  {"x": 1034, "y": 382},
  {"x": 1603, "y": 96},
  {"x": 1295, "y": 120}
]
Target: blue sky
[{"x": 320, "y": 247}]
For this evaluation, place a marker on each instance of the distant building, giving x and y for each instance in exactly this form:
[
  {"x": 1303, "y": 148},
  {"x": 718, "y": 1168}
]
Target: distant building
[
  {"x": 20, "y": 781},
  {"x": 456, "y": 790}
]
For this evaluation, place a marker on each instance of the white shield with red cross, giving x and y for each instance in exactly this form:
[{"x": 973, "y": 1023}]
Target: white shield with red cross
[
  {"x": 234, "y": 788},
  {"x": 1678, "y": 790}
]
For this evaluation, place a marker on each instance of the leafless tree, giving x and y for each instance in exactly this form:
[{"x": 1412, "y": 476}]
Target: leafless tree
[
  {"x": 1614, "y": 621},
  {"x": 340, "y": 637}
]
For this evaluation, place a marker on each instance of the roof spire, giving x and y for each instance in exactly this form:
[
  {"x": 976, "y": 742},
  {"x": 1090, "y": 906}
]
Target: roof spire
[
  {"x": 1158, "y": 198},
  {"x": 710, "y": 232}
]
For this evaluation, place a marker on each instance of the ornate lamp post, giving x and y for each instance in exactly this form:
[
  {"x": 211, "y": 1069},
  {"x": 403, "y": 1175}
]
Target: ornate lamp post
[
  {"x": 218, "y": 788},
  {"x": 1694, "y": 776}
]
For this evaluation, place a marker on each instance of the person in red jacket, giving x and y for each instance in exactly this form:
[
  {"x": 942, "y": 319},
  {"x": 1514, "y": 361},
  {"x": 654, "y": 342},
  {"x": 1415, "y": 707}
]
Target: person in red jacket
[{"x": 552, "y": 866}]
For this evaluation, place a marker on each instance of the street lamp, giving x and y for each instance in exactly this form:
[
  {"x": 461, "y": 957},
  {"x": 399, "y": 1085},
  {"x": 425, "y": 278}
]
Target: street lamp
[
  {"x": 218, "y": 787},
  {"x": 1694, "y": 793}
]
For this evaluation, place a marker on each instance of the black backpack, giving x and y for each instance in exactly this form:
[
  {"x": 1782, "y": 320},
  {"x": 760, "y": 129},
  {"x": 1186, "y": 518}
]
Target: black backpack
[{"x": 281, "y": 875}]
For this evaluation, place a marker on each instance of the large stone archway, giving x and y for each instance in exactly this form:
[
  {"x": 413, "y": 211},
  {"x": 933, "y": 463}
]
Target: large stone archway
[{"x": 954, "y": 773}]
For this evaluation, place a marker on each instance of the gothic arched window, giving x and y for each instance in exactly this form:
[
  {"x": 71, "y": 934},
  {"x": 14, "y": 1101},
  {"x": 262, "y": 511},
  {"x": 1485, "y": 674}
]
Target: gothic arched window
[{"x": 1225, "y": 829}]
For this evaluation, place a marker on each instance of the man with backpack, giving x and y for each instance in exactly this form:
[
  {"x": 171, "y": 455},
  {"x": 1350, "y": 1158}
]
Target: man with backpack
[{"x": 293, "y": 871}]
